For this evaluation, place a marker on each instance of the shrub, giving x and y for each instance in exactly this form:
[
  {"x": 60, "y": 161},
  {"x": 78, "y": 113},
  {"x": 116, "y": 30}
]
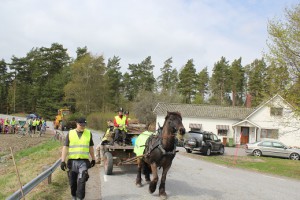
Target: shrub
[{"x": 98, "y": 120}]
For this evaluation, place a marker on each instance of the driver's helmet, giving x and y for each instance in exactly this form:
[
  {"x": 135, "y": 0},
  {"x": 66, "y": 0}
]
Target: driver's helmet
[
  {"x": 126, "y": 112},
  {"x": 120, "y": 109}
]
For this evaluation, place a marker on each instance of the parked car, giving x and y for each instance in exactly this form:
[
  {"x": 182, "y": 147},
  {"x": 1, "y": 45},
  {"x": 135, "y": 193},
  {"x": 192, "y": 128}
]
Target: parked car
[
  {"x": 273, "y": 148},
  {"x": 203, "y": 141}
]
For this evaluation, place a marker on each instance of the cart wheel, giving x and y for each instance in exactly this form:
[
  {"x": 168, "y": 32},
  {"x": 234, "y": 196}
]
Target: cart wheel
[{"x": 108, "y": 163}]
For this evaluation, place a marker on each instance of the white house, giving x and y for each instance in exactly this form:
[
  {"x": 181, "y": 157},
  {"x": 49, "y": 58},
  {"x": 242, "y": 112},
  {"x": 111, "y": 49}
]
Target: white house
[{"x": 274, "y": 118}]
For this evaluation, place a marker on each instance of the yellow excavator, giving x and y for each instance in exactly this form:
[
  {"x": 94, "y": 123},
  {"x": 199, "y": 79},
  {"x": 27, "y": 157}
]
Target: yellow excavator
[{"x": 60, "y": 119}]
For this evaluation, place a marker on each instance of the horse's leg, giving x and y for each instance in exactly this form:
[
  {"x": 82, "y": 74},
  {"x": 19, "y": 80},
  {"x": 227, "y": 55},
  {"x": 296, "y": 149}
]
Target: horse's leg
[
  {"x": 162, "y": 192},
  {"x": 138, "y": 180},
  {"x": 147, "y": 172},
  {"x": 153, "y": 183}
]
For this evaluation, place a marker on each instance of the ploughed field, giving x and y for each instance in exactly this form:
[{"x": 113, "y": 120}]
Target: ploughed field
[{"x": 17, "y": 144}]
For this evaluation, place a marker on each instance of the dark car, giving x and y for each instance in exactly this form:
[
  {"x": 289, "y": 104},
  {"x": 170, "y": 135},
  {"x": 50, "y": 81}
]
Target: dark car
[{"x": 203, "y": 141}]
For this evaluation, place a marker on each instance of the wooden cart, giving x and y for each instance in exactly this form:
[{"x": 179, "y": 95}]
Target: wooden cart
[{"x": 121, "y": 155}]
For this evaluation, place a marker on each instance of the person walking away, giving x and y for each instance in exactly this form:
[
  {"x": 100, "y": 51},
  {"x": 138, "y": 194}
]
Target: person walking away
[
  {"x": 78, "y": 146},
  {"x": 120, "y": 124},
  {"x": 6, "y": 125},
  {"x": 34, "y": 123},
  {"x": 43, "y": 127},
  {"x": 37, "y": 126},
  {"x": 13, "y": 125}
]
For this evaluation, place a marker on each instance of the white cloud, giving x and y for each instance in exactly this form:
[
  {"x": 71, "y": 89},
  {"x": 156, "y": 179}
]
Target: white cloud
[{"x": 183, "y": 29}]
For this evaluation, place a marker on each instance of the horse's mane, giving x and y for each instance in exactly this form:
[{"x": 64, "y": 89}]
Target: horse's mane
[{"x": 172, "y": 113}]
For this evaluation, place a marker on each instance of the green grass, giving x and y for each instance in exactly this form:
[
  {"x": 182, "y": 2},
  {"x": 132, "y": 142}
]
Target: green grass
[
  {"x": 30, "y": 163},
  {"x": 275, "y": 166},
  {"x": 39, "y": 150}
]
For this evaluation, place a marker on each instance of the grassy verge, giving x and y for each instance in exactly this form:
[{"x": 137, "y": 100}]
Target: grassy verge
[
  {"x": 275, "y": 166},
  {"x": 30, "y": 163}
]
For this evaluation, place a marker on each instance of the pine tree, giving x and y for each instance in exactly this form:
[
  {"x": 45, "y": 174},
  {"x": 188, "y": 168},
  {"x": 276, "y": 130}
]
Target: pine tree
[
  {"x": 168, "y": 77},
  {"x": 202, "y": 86},
  {"x": 139, "y": 78},
  {"x": 220, "y": 83},
  {"x": 187, "y": 82},
  {"x": 237, "y": 77},
  {"x": 256, "y": 73},
  {"x": 114, "y": 78}
]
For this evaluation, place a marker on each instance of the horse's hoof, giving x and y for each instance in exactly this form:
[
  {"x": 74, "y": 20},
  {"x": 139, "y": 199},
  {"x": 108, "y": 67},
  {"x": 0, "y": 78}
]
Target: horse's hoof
[
  {"x": 152, "y": 187},
  {"x": 163, "y": 196},
  {"x": 138, "y": 184}
]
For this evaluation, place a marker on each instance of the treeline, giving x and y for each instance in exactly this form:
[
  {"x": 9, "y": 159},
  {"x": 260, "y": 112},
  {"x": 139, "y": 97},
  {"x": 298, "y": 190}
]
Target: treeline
[{"x": 47, "y": 78}]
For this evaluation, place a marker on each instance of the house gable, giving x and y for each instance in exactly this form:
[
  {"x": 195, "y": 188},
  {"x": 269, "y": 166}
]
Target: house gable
[{"x": 275, "y": 102}]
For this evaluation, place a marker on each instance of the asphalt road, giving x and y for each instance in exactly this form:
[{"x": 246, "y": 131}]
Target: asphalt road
[{"x": 191, "y": 178}]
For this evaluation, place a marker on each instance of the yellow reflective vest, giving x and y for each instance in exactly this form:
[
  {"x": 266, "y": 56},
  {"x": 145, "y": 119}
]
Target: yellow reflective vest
[
  {"x": 79, "y": 147},
  {"x": 6, "y": 122},
  {"x": 120, "y": 122}
]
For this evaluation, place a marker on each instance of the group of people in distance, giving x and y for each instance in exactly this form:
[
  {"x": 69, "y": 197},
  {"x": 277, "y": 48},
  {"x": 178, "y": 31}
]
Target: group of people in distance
[
  {"x": 30, "y": 125},
  {"x": 8, "y": 126}
]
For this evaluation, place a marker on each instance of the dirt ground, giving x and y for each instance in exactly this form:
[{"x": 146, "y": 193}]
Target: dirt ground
[{"x": 17, "y": 144}]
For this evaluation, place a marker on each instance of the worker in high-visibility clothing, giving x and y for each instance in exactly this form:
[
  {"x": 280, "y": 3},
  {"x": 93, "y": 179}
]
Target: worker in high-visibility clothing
[
  {"x": 120, "y": 124},
  {"x": 6, "y": 125},
  {"x": 79, "y": 147},
  {"x": 13, "y": 125}
]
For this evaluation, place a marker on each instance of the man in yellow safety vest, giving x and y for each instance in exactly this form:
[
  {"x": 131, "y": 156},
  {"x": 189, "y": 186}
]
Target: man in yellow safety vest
[
  {"x": 120, "y": 124},
  {"x": 79, "y": 146}
]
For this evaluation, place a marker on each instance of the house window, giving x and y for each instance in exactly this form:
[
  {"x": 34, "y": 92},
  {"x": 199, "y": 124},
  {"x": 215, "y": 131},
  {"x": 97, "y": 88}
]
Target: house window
[
  {"x": 195, "y": 127},
  {"x": 276, "y": 111},
  {"x": 222, "y": 130},
  {"x": 269, "y": 133}
]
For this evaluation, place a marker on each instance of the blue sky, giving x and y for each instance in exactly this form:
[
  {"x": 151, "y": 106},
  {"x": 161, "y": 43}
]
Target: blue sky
[{"x": 202, "y": 30}]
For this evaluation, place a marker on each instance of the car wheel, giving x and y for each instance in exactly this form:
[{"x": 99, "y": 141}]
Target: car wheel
[
  {"x": 208, "y": 151},
  {"x": 257, "y": 153},
  {"x": 188, "y": 150},
  {"x": 222, "y": 150},
  {"x": 294, "y": 156}
]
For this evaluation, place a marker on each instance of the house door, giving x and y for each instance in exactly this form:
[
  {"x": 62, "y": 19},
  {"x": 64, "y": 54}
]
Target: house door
[{"x": 244, "y": 135}]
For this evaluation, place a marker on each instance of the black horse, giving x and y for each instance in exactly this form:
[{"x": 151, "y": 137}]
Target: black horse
[{"x": 160, "y": 151}]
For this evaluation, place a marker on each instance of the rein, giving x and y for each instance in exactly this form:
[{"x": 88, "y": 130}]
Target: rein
[
  {"x": 170, "y": 133},
  {"x": 160, "y": 138}
]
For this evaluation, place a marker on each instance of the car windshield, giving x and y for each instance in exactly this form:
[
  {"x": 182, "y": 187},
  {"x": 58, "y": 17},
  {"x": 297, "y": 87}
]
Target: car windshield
[{"x": 194, "y": 134}]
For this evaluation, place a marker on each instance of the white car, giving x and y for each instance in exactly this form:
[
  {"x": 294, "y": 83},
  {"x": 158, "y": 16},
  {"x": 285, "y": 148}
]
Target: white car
[{"x": 273, "y": 148}]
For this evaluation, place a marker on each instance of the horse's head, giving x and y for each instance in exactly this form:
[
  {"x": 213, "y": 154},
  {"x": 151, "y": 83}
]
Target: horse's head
[{"x": 173, "y": 121}]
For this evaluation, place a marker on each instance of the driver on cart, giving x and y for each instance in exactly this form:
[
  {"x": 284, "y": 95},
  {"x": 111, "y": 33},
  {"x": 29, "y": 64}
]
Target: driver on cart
[{"x": 120, "y": 124}]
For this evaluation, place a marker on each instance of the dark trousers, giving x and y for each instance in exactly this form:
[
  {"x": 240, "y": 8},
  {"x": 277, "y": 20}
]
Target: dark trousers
[
  {"x": 119, "y": 133},
  {"x": 78, "y": 175},
  {"x": 33, "y": 129}
]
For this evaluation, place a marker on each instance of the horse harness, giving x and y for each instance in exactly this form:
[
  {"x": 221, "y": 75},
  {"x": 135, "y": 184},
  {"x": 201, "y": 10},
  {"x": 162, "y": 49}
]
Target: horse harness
[{"x": 150, "y": 146}]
